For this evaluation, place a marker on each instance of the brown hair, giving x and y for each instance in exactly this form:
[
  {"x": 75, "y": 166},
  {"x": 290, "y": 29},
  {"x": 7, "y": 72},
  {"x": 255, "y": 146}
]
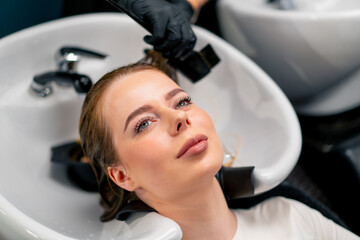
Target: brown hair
[{"x": 96, "y": 137}]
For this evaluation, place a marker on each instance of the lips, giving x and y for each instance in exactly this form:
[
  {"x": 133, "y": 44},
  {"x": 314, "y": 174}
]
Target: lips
[{"x": 193, "y": 146}]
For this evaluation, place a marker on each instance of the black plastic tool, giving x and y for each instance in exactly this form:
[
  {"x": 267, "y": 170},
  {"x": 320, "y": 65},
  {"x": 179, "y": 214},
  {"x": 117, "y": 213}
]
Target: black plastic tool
[
  {"x": 79, "y": 173},
  {"x": 236, "y": 182}
]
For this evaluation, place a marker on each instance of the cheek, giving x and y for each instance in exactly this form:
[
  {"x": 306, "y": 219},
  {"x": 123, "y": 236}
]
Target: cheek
[
  {"x": 200, "y": 119},
  {"x": 147, "y": 157},
  {"x": 200, "y": 116},
  {"x": 143, "y": 152}
]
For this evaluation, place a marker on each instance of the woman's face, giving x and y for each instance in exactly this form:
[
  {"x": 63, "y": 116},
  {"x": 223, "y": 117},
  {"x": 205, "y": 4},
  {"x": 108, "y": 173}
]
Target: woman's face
[{"x": 167, "y": 145}]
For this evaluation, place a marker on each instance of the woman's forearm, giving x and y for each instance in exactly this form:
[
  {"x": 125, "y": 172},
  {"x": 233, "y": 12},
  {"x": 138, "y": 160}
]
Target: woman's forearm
[{"x": 197, "y": 4}]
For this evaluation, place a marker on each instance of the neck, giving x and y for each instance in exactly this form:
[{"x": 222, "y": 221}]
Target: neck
[{"x": 202, "y": 215}]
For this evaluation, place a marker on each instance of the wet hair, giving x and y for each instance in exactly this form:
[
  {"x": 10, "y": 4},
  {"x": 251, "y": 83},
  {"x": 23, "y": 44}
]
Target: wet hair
[{"x": 96, "y": 137}]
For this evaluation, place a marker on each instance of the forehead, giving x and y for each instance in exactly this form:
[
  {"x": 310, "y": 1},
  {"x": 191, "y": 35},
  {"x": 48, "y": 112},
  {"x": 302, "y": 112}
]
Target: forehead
[
  {"x": 134, "y": 90},
  {"x": 141, "y": 84}
]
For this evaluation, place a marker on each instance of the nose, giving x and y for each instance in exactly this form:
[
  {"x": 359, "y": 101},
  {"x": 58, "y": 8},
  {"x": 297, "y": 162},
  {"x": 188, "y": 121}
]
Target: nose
[{"x": 179, "y": 122}]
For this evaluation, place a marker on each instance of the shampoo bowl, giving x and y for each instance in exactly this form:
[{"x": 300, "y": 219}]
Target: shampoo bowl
[
  {"x": 252, "y": 115},
  {"x": 306, "y": 50}
]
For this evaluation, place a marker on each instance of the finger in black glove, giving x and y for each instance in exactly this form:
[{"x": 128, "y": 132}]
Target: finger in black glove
[{"x": 167, "y": 20}]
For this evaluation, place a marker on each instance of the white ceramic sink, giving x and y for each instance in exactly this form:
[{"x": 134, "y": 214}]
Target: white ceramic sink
[
  {"x": 252, "y": 115},
  {"x": 306, "y": 50}
]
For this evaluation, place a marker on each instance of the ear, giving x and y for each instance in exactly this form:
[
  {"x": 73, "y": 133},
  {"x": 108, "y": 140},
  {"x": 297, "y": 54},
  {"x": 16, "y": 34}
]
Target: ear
[{"x": 119, "y": 175}]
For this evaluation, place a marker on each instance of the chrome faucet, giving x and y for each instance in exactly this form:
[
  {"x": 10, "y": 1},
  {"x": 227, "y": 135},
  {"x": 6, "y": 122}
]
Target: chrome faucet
[
  {"x": 67, "y": 59},
  {"x": 282, "y": 4}
]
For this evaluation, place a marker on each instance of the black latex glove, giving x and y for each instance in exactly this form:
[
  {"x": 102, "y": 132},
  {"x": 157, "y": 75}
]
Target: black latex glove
[{"x": 167, "y": 20}]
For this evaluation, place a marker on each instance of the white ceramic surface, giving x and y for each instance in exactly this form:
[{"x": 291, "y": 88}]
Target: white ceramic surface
[
  {"x": 252, "y": 115},
  {"x": 306, "y": 50}
]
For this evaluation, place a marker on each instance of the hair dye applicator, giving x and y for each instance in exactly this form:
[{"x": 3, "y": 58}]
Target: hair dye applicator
[{"x": 194, "y": 65}]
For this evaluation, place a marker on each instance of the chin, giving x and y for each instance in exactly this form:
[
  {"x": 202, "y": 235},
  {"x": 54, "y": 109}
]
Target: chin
[{"x": 212, "y": 162}]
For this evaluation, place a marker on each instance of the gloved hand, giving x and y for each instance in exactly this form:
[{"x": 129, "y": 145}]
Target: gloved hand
[{"x": 167, "y": 20}]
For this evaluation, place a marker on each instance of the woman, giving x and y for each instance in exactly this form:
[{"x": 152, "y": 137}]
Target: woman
[{"x": 145, "y": 136}]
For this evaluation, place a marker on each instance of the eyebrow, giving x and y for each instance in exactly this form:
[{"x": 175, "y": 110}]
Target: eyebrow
[
  {"x": 172, "y": 93},
  {"x": 147, "y": 108}
]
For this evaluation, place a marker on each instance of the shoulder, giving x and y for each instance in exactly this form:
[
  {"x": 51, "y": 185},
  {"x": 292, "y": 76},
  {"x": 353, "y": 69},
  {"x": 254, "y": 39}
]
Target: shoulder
[
  {"x": 274, "y": 218},
  {"x": 276, "y": 205},
  {"x": 284, "y": 210},
  {"x": 282, "y": 217}
]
